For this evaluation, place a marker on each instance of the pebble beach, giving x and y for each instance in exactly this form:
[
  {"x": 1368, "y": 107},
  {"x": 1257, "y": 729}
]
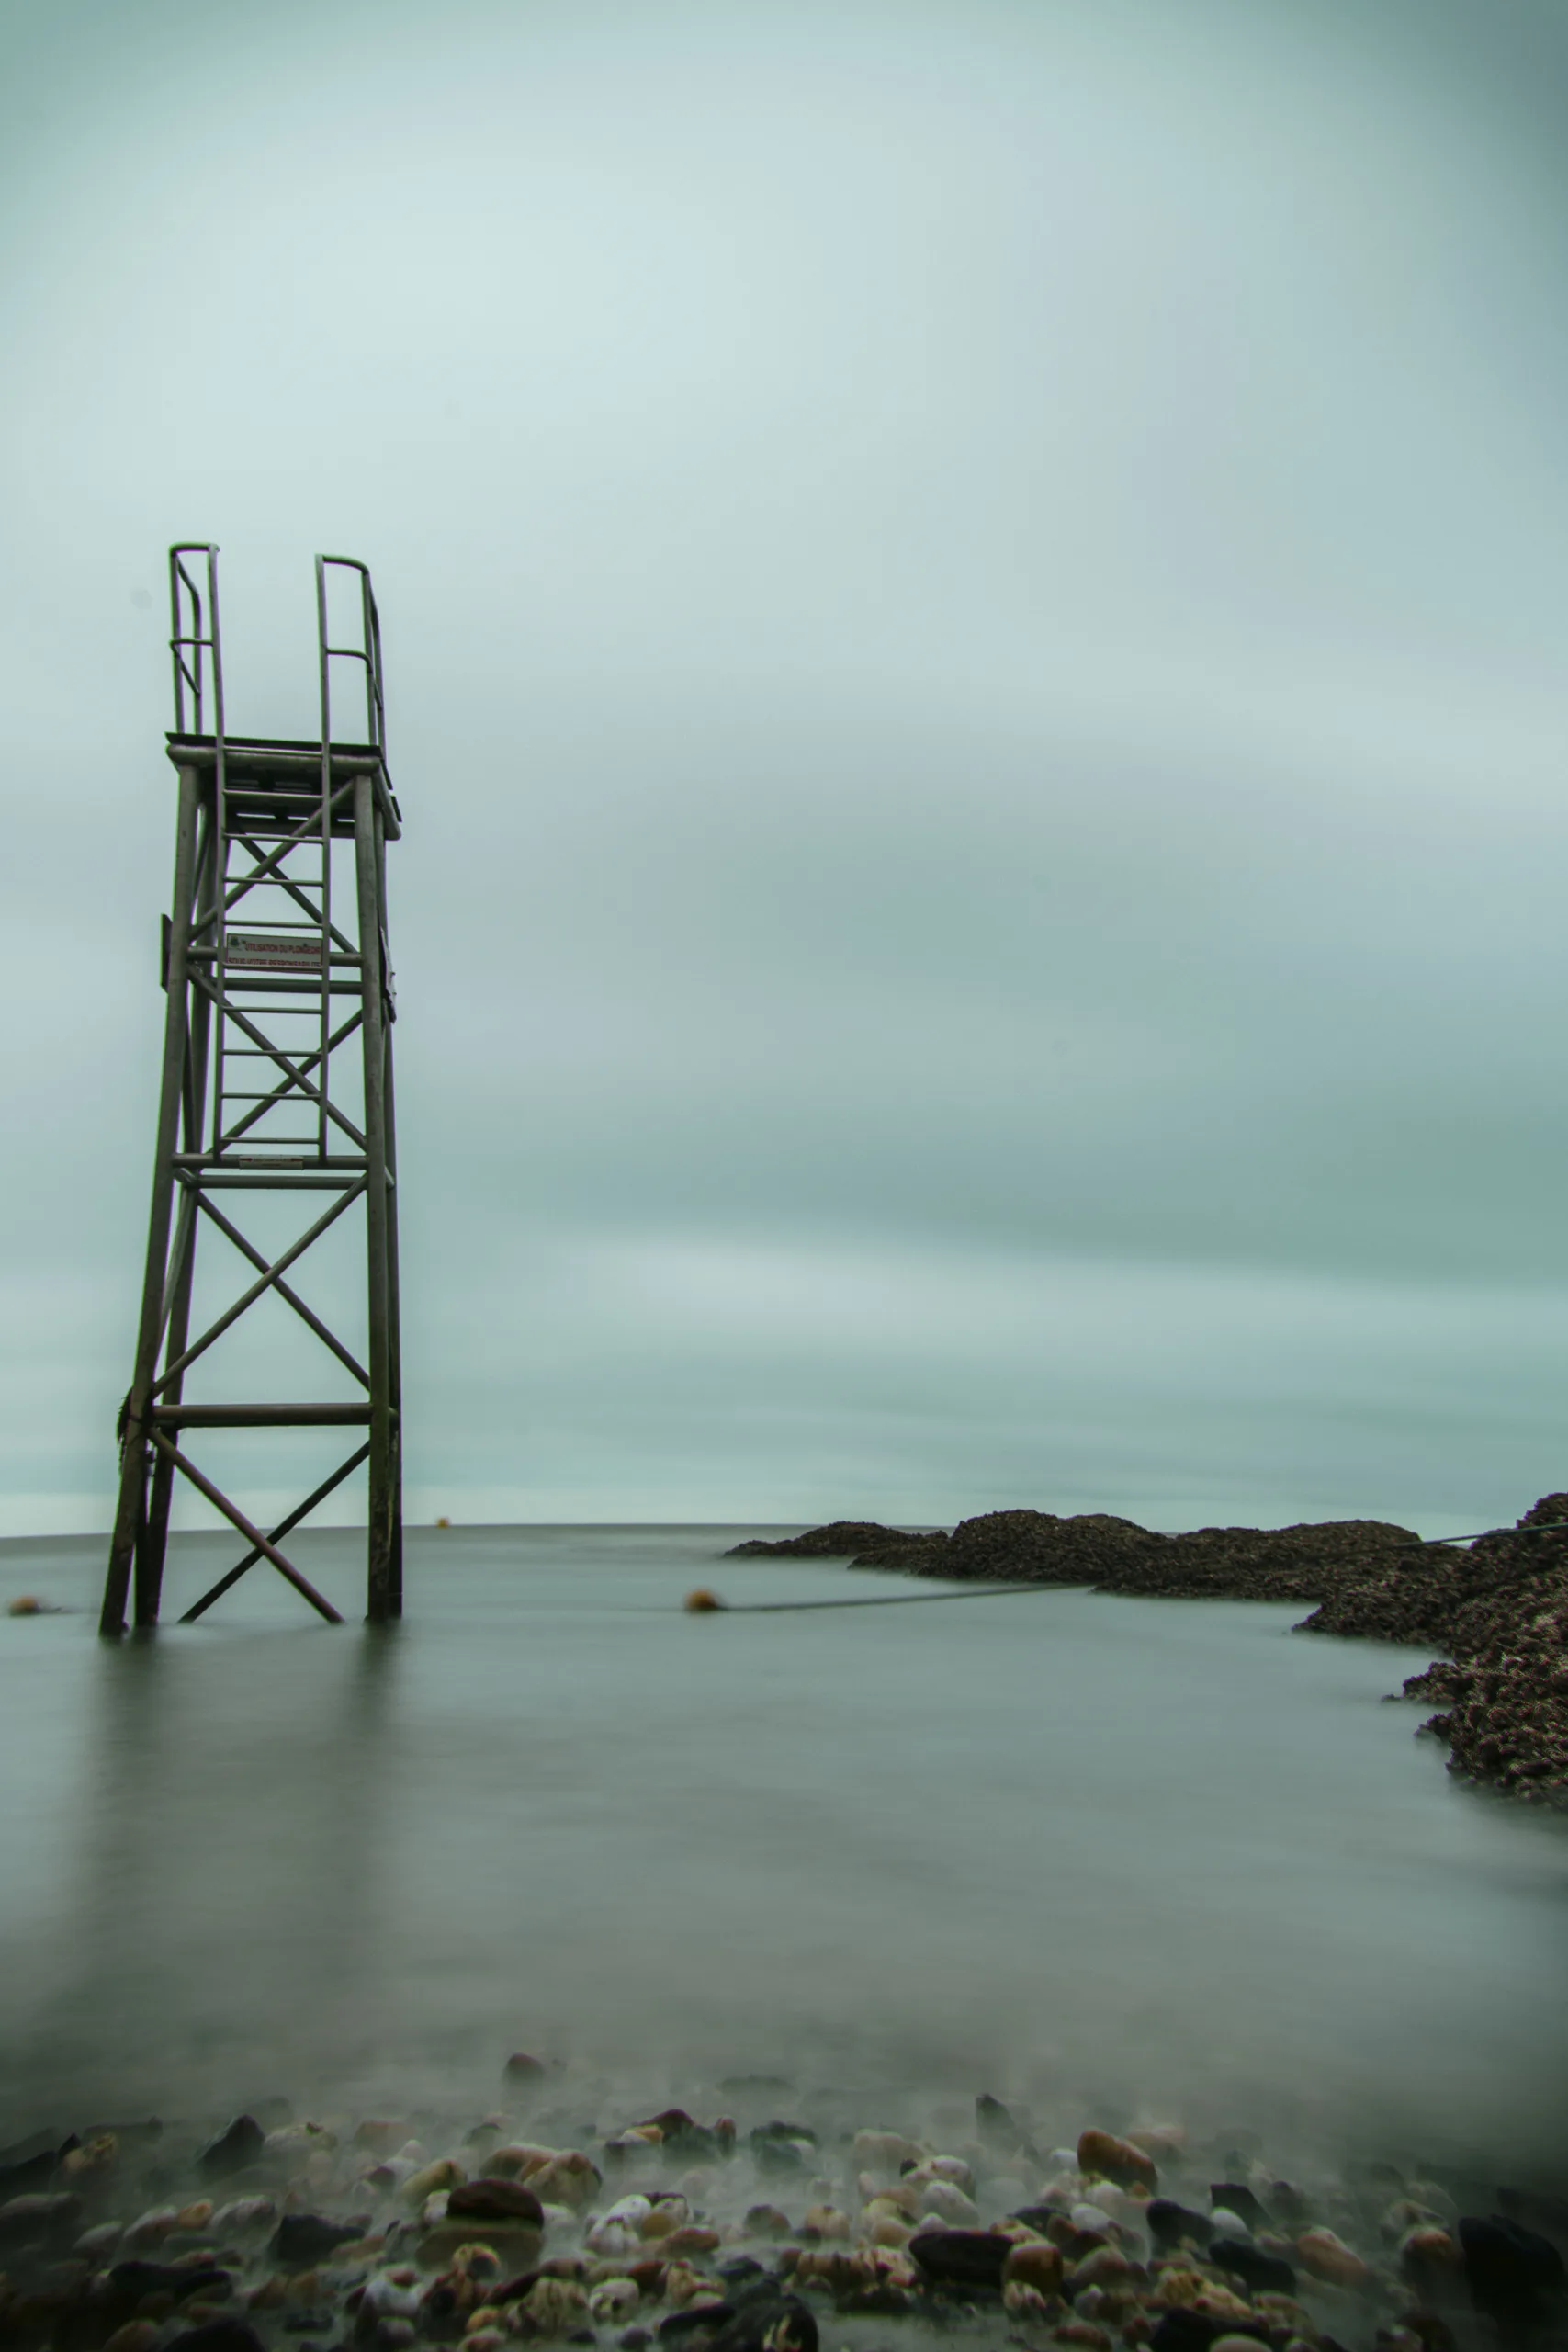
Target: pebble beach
[{"x": 780, "y": 2222}]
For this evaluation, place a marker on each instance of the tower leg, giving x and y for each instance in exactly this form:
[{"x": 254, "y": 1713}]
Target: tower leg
[
  {"x": 383, "y": 1596},
  {"x": 154, "y": 1539},
  {"x": 153, "y": 1535},
  {"x": 130, "y": 1528},
  {"x": 394, "y": 1325}
]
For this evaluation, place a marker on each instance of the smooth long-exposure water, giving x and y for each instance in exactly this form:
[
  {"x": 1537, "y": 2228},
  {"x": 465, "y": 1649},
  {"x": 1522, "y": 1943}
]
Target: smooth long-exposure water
[{"x": 1154, "y": 1854}]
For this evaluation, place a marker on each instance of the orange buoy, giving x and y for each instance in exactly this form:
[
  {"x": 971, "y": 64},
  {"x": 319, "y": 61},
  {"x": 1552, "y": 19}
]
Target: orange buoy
[{"x": 702, "y": 1602}]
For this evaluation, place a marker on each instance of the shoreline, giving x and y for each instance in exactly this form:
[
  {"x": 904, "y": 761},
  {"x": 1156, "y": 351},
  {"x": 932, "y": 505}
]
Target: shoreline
[{"x": 1498, "y": 1611}]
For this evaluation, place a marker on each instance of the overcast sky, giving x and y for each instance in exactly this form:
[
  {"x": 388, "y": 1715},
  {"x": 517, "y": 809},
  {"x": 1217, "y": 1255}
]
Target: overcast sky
[{"x": 974, "y": 599}]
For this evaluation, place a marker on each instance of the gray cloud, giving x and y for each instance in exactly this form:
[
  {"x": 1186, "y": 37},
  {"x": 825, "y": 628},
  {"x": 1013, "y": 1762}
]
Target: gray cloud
[{"x": 974, "y": 606}]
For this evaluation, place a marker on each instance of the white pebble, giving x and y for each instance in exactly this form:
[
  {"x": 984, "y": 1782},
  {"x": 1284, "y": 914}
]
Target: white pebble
[
  {"x": 1090, "y": 2217},
  {"x": 613, "y": 2299},
  {"x": 384, "y": 2298}
]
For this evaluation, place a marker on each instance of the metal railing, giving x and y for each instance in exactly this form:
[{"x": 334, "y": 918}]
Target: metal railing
[
  {"x": 187, "y": 638},
  {"x": 367, "y": 651}
]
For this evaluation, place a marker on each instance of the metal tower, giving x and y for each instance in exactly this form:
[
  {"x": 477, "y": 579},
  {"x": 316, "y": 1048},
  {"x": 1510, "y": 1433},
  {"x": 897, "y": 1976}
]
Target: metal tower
[{"x": 268, "y": 978}]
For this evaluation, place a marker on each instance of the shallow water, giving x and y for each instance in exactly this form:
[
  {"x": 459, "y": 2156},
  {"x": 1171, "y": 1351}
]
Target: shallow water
[{"x": 1130, "y": 1855}]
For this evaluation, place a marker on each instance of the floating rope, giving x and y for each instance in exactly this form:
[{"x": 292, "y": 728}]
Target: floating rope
[{"x": 710, "y": 1604}]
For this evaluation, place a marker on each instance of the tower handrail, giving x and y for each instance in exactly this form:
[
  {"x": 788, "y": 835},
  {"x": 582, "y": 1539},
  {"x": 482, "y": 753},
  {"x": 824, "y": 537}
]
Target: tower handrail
[
  {"x": 193, "y": 640},
  {"x": 367, "y": 651}
]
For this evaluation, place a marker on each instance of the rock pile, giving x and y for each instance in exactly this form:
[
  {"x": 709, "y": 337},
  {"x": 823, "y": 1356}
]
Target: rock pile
[
  {"x": 726, "y": 2236},
  {"x": 1116, "y": 1555},
  {"x": 1499, "y": 1610}
]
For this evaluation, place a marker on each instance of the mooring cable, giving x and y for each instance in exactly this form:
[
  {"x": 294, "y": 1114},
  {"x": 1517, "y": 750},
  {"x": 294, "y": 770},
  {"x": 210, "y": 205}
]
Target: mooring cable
[{"x": 870, "y": 1599}]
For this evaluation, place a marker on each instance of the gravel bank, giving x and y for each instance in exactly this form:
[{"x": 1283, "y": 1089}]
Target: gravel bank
[
  {"x": 1497, "y": 1610},
  {"x": 775, "y": 2223}
]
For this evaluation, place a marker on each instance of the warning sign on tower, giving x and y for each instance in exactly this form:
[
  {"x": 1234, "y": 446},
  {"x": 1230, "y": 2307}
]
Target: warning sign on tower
[{"x": 273, "y": 951}]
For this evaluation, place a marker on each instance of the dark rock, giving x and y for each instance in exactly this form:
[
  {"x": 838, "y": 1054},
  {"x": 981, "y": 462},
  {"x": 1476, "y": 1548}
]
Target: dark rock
[
  {"x": 307, "y": 2323},
  {"x": 965, "y": 2259},
  {"x": 633, "y": 2339},
  {"x": 442, "y": 2313},
  {"x": 1169, "y": 2222},
  {"x": 1238, "y": 2199},
  {"x": 1037, "y": 2216},
  {"x": 1501, "y": 1607},
  {"x": 881, "y": 2302},
  {"x": 840, "y": 1539},
  {"x": 767, "y": 2318},
  {"x": 1513, "y": 2273},
  {"x": 1185, "y": 2331},
  {"x": 1188, "y": 2331},
  {"x": 41, "y": 2316},
  {"x": 995, "y": 2123},
  {"x": 681, "y": 2135},
  {"x": 776, "y": 2147},
  {"x": 740, "y": 2270},
  {"x": 493, "y": 2200},
  {"x": 302, "y": 2239},
  {"x": 235, "y": 2148},
  {"x": 675, "y": 2327},
  {"x": 38, "y": 2220},
  {"x": 29, "y": 2175},
  {"x": 1036, "y": 1547},
  {"x": 522, "y": 2068},
  {"x": 218, "y": 2335},
  {"x": 130, "y": 2281},
  {"x": 1260, "y": 2273},
  {"x": 512, "y": 2291},
  {"x": 1433, "y": 2329}
]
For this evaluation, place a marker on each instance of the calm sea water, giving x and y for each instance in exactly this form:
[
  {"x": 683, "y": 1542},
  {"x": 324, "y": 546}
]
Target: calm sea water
[{"x": 1130, "y": 1854}]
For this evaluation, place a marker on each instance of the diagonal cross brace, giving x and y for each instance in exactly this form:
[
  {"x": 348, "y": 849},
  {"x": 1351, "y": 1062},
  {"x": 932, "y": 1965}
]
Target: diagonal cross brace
[
  {"x": 248, "y": 1250},
  {"x": 280, "y": 1093},
  {"x": 306, "y": 829},
  {"x": 300, "y": 1510},
  {"x": 295, "y": 889},
  {"x": 294, "y": 1072},
  {"x": 270, "y": 1276},
  {"x": 263, "y": 1545}
]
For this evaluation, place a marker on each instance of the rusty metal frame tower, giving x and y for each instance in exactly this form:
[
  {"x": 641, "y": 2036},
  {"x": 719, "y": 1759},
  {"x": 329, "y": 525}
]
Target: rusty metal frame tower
[{"x": 267, "y": 980}]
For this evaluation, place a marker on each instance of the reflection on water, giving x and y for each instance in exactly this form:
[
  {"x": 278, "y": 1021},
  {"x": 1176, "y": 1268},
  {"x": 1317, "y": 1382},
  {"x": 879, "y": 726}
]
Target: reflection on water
[{"x": 1139, "y": 1852}]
